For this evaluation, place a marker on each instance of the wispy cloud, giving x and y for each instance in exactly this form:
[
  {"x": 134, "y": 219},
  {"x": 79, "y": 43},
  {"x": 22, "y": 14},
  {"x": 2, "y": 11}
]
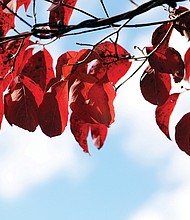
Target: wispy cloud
[{"x": 27, "y": 159}]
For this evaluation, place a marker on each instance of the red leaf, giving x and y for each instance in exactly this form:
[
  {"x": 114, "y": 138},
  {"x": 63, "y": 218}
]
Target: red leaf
[
  {"x": 39, "y": 68},
  {"x": 182, "y": 135},
  {"x": 80, "y": 131},
  {"x": 159, "y": 34},
  {"x": 116, "y": 60},
  {"x": 4, "y": 82},
  {"x": 62, "y": 67},
  {"x": 93, "y": 103},
  {"x": 11, "y": 60},
  {"x": 21, "y": 103},
  {"x": 110, "y": 52},
  {"x": 78, "y": 98},
  {"x": 163, "y": 113},
  {"x": 53, "y": 111},
  {"x": 111, "y": 94},
  {"x": 58, "y": 12},
  {"x": 6, "y": 22},
  {"x": 182, "y": 24},
  {"x": 1, "y": 102},
  {"x": 26, "y": 4},
  {"x": 33, "y": 88},
  {"x": 155, "y": 86},
  {"x": 98, "y": 106},
  {"x": 68, "y": 64},
  {"x": 168, "y": 62},
  {"x": 11, "y": 4},
  {"x": 98, "y": 133},
  {"x": 187, "y": 65}
]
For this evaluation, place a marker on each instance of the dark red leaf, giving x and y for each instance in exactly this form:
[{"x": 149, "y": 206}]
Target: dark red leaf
[
  {"x": 98, "y": 133},
  {"x": 11, "y": 60},
  {"x": 33, "y": 88},
  {"x": 4, "y": 82},
  {"x": 53, "y": 111},
  {"x": 80, "y": 131},
  {"x": 115, "y": 59},
  {"x": 79, "y": 101},
  {"x": 39, "y": 68},
  {"x": 21, "y": 103},
  {"x": 6, "y": 22},
  {"x": 159, "y": 34},
  {"x": 155, "y": 86},
  {"x": 62, "y": 67},
  {"x": 75, "y": 63},
  {"x": 98, "y": 104},
  {"x": 187, "y": 65},
  {"x": 164, "y": 112},
  {"x": 182, "y": 135},
  {"x": 110, "y": 52},
  {"x": 93, "y": 103},
  {"x": 58, "y": 12},
  {"x": 182, "y": 24},
  {"x": 168, "y": 62}
]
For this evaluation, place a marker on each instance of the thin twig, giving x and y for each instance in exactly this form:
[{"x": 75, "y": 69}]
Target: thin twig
[
  {"x": 34, "y": 11},
  {"x": 131, "y": 75},
  {"x": 104, "y": 8},
  {"x": 134, "y": 3}
]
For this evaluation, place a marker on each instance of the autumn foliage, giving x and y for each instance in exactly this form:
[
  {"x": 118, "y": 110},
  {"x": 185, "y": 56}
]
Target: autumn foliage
[{"x": 83, "y": 85}]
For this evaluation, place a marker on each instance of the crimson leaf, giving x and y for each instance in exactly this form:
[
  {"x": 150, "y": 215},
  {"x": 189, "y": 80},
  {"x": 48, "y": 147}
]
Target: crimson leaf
[
  {"x": 22, "y": 102},
  {"x": 53, "y": 111},
  {"x": 155, "y": 86},
  {"x": 182, "y": 135},
  {"x": 163, "y": 113}
]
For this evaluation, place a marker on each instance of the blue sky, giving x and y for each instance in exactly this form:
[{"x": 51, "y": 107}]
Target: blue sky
[{"x": 137, "y": 175}]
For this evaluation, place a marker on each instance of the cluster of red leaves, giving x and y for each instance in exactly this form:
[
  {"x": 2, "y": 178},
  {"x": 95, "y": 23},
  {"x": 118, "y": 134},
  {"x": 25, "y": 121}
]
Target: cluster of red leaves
[
  {"x": 37, "y": 97},
  {"x": 91, "y": 89},
  {"x": 166, "y": 63},
  {"x": 84, "y": 81}
]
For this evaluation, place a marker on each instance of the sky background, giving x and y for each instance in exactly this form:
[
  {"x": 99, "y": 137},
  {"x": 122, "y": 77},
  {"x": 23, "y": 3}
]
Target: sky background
[{"x": 138, "y": 175}]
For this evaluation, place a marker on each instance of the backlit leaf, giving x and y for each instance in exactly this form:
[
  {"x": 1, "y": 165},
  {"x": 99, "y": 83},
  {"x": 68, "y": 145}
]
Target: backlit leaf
[
  {"x": 26, "y": 4},
  {"x": 187, "y": 65},
  {"x": 4, "y": 82},
  {"x": 53, "y": 111},
  {"x": 98, "y": 133},
  {"x": 164, "y": 112},
  {"x": 183, "y": 23},
  {"x": 62, "y": 67},
  {"x": 182, "y": 135},
  {"x": 168, "y": 62},
  {"x": 6, "y": 22},
  {"x": 98, "y": 105},
  {"x": 21, "y": 103},
  {"x": 155, "y": 86},
  {"x": 115, "y": 58},
  {"x": 39, "y": 68},
  {"x": 159, "y": 35},
  {"x": 58, "y": 12},
  {"x": 80, "y": 131}
]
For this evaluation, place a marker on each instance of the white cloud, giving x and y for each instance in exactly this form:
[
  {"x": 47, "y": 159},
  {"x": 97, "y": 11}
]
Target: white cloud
[
  {"x": 27, "y": 159},
  {"x": 167, "y": 205}
]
